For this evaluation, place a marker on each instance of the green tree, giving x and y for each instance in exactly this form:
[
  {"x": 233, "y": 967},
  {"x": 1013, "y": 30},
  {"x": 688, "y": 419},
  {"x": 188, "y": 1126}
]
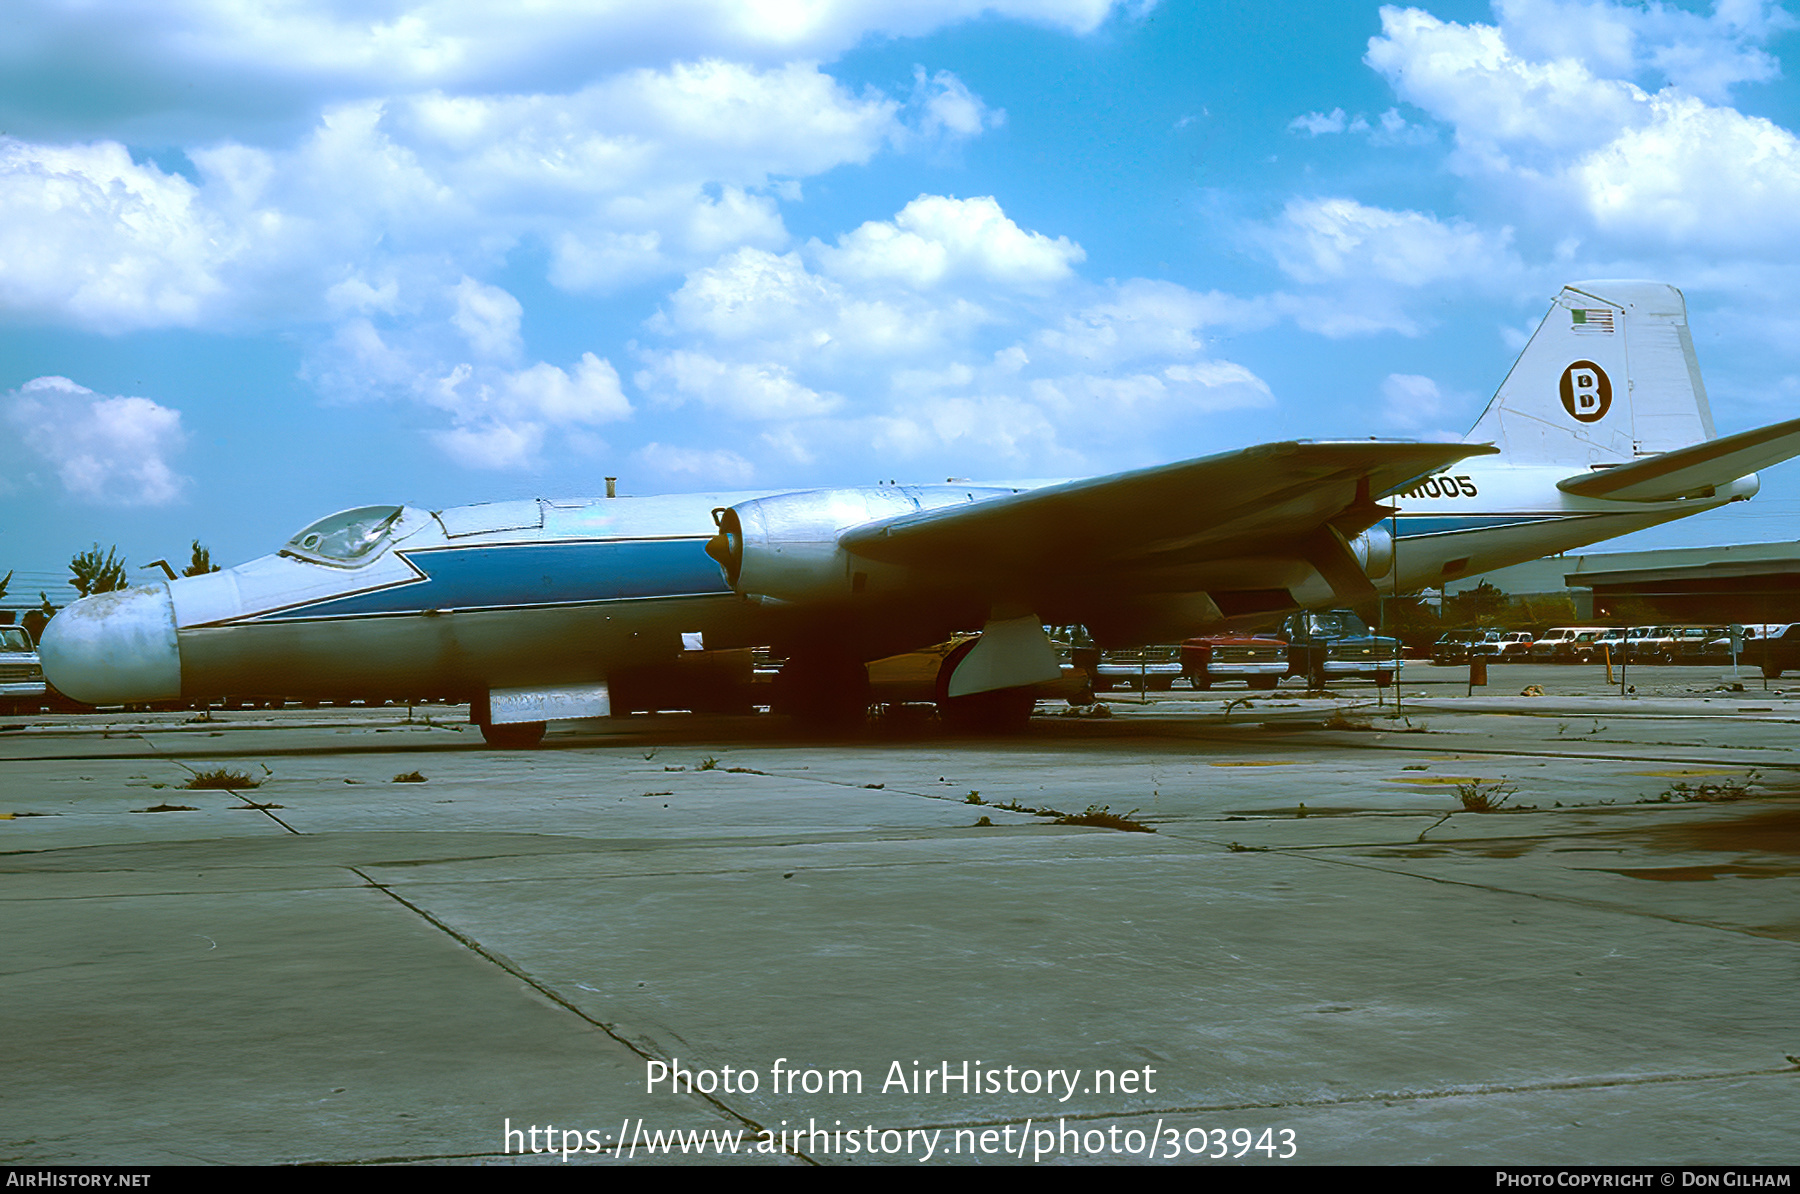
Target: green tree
[
  {"x": 1411, "y": 621},
  {"x": 35, "y": 620},
  {"x": 1479, "y": 606},
  {"x": 201, "y": 564},
  {"x": 93, "y": 573}
]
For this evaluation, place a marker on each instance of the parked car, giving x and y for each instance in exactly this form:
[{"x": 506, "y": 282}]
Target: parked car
[
  {"x": 1261, "y": 660},
  {"x": 1333, "y": 644},
  {"x": 1567, "y": 644},
  {"x": 1721, "y": 649},
  {"x": 1511, "y": 647},
  {"x": 1453, "y": 646},
  {"x": 1610, "y": 647},
  {"x": 1155, "y": 668},
  {"x": 22, "y": 687},
  {"x": 1775, "y": 653},
  {"x": 1644, "y": 643},
  {"x": 1694, "y": 644}
]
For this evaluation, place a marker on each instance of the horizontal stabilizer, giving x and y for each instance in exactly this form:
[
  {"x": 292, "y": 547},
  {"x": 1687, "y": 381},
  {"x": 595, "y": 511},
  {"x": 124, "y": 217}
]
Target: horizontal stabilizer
[{"x": 1692, "y": 471}]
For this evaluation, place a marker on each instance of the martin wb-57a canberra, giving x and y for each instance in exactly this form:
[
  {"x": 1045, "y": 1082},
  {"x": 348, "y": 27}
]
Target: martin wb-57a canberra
[{"x": 538, "y": 610}]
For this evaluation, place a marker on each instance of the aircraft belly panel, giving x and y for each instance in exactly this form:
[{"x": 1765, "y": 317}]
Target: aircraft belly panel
[{"x": 447, "y": 653}]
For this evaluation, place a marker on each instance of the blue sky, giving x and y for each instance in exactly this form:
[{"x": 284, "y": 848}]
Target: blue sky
[{"x": 262, "y": 262}]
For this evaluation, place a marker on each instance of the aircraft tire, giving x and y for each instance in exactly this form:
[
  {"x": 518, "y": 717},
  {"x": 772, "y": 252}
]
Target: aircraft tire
[
  {"x": 1002, "y": 711},
  {"x": 1264, "y": 682},
  {"x": 521, "y": 735},
  {"x": 1384, "y": 679},
  {"x": 1771, "y": 672}
]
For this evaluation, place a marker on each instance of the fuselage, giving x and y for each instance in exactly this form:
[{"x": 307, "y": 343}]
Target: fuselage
[{"x": 391, "y": 602}]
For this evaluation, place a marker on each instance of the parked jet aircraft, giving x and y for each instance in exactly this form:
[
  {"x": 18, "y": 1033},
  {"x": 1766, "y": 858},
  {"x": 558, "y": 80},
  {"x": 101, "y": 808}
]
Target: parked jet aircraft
[{"x": 535, "y": 610}]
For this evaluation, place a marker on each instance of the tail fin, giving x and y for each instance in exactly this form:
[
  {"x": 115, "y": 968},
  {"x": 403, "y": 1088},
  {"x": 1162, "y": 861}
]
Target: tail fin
[{"x": 1609, "y": 377}]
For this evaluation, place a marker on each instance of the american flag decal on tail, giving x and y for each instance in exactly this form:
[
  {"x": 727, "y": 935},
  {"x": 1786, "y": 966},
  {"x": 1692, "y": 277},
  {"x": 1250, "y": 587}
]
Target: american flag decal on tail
[{"x": 1593, "y": 323}]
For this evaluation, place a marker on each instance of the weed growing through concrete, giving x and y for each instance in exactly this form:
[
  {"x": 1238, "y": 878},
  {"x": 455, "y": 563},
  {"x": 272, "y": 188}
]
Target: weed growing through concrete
[
  {"x": 1722, "y": 792},
  {"x": 708, "y": 764},
  {"x": 221, "y": 779},
  {"x": 410, "y": 777},
  {"x": 1337, "y": 721},
  {"x": 1478, "y": 797},
  {"x": 972, "y": 798},
  {"x": 1101, "y": 816}
]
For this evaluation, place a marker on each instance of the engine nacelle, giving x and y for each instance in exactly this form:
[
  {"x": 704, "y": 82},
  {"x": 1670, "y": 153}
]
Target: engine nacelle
[
  {"x": 785, "y": 547},
  {"x": 1374, "y": 550}
]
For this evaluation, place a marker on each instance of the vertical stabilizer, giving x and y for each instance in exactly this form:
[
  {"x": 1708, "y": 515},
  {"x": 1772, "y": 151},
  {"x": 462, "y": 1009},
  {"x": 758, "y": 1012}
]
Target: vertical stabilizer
[{"x": 1609, "y": 377}]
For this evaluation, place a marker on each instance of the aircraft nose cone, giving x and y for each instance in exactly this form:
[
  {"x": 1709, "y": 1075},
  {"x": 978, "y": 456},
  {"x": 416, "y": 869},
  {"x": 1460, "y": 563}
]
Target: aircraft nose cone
[{"x": 114, "y": 647}]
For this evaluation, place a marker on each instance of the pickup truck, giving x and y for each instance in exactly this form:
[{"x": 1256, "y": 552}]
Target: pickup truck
[
  {"x": 21, "y": 675},
  {"x": 1333, "y": 644},
  {"x": 1259, "y": 660},
  {"x": 1454, "y": 646}
]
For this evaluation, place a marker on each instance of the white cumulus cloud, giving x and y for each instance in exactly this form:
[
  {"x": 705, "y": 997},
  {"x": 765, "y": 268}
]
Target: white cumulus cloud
[
  {"x": 488, "y": 317},
  {"x": 502, "y": 418},
  {"x": 712, "y": 466},
  {"x": 1608, "y": 121},
  {"x": 948, "y": 332},
  {"x": 1321, "y": 239},
  {"x": 1415, "y": 405},
  {"x": 936, "y": 238},
  {"x": 107, "y": 451},
  {"x": 105, "y": 242},
  {"x": 219, "y": 68}
]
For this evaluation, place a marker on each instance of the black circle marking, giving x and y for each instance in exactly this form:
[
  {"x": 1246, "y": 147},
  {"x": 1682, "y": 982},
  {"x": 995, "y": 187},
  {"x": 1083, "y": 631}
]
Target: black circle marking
[{"x": 1586, "y": 392}]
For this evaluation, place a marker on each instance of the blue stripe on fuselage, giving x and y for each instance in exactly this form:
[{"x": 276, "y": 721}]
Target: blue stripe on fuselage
[
  {"x": 513, "y": 575},
  {"x": 1410, "y": 525}
]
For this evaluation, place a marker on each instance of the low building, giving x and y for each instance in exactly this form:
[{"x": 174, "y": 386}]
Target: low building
[{"x": 1743, "y": 582}]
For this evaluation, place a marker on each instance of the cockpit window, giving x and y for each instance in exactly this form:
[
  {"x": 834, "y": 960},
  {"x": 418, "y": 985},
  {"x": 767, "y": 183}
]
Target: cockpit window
[{"x": 348, "y": 537}]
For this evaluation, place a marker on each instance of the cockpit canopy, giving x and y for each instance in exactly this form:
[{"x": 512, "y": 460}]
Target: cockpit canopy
[{"x": 346, "y": 539}]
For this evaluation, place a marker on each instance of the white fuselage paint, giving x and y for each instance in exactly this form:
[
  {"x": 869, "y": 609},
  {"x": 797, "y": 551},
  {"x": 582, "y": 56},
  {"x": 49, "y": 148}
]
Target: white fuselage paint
[{"x": 1486, "y": 514}]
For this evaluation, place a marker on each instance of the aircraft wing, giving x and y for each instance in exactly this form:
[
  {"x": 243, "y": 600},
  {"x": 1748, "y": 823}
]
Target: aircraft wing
[{"x": 1243, "y": 500}]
